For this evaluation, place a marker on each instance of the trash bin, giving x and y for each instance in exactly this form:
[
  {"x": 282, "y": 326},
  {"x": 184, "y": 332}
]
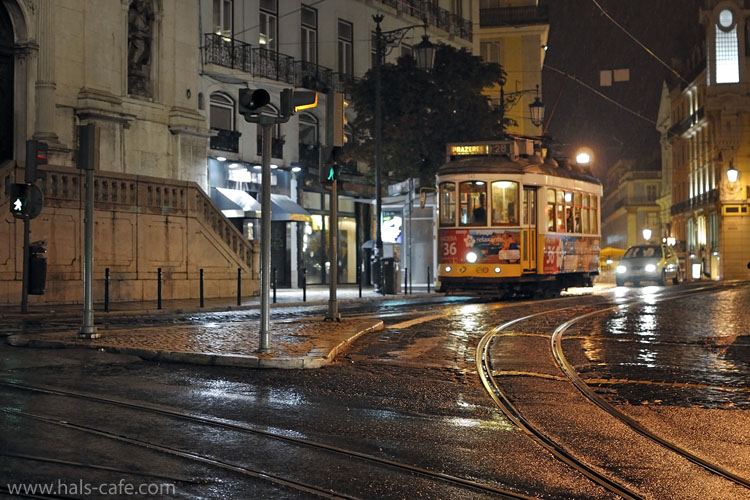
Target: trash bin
[
  {"x": 392, "y": 276},
  {"x": 37, "y": 268}
]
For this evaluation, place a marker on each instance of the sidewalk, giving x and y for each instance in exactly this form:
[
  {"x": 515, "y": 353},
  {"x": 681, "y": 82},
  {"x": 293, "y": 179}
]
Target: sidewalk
[{"x": 304, "y": 343}]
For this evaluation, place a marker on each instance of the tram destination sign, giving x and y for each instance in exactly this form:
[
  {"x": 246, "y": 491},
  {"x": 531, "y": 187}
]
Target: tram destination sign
[{"x": 482, "y": 149}]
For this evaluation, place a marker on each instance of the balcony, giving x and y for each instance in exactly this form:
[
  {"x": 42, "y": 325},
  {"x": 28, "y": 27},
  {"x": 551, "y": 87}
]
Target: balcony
[
  {"x": 272, "y": 65},
  {"x": 312, "y": 76},
  {"x": 427, "y": 11},
  {"x": 683, "y": 126},
  {"x": 277, "y": 147},
  {"x": 228, "y": 53},
  {"x": 696, "y": 202},
  {"x": 514, "y": 16},
  {"x": 226, "y": 140}
]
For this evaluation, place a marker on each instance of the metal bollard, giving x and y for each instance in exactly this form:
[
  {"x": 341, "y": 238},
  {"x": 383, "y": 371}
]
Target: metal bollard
[
  {"x": 239, "y": 286},
  {"x": 158, "y": 288},
  {"x": 304, "y": 284},
  {"x": 202, "y": 303},
  {"x": 429, "y": 278},
  {"x": 106, "y": 289},
  {"x": 274, "y": 284},
  {"x": 406, "y": 281},
  {"x": 359, "y": 277}
]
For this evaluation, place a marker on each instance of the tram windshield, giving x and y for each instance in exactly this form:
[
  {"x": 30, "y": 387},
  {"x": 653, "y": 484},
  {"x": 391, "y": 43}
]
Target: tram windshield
[
  {"x": 504, "y": 203},
  {"x": 473, "y": 203}
]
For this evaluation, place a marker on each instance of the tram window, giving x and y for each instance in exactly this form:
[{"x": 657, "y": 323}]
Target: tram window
[
  {"x": 560, "y": 211},
  {"x": 569, "y": 212},
  {"x": 448, "y": 204},
  {"x": 585, "y": 218},
  {"x": 594, "y": 214},
  {"x": 504, "y": 203},
  {"x": 577, "y": 212},
  {"x": 473, "y": 203},
  {"x": 551, "y": 210}
]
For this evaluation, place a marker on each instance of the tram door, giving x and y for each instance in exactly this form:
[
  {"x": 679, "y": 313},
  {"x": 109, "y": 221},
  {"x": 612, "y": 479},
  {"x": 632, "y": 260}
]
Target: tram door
[{"x": 528, "y": 230}]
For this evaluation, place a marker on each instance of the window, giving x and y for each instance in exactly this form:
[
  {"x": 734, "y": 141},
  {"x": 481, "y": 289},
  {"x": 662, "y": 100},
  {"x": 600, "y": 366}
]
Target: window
[
  {"x": 345, "y": 39},
  {"x": 222, "y": 112},
  {"x": 569, "y": 227},
  {"x": 594, "y": 214},
  {"x": 223, "y": 18},
  {"x": 586, "y": 215},
  {"x": 472, "y": 203},
  {"x": 727, "y": 52},
  {"x": 504, "y": 203},
  {"x": 551, "y": 210},
  {"x": 268, "y": 24},
  {"x": 714, "y": 231},
  {"x": 560, "y": 211},
  {"x": 309, "y": 34},
  {"x": 651, "y": 192},
  {"x": 577, "y": 213},
  {"x": 308, "y": 129},
  {"x": 491, "y": 52},
  {"x": 448, "y": 204}
]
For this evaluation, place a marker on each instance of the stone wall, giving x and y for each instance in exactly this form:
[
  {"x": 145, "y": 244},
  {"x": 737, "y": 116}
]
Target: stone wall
[{"x": 141, "y": 224}]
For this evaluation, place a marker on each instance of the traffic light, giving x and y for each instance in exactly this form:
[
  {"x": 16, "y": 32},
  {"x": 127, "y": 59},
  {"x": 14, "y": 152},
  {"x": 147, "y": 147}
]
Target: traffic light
[
  {"x": 251, "y": 102},
  {"x": 330, "y": 165},
  {"x": 36, "y": 154},
  {"x": 296, "y": 100},
  {"x": 26, "y": 200}
]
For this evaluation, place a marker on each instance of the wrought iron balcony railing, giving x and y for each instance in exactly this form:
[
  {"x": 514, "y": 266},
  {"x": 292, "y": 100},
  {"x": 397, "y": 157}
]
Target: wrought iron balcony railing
[
  {"x": 228, "y": 52},
  {"x": 226, "y": 140},
  {"x": 695, "y": 202},
  {"x": 312, "y": 76},
  {"x": 272, "y": 65},
  {"x": 428, "y": 11}
]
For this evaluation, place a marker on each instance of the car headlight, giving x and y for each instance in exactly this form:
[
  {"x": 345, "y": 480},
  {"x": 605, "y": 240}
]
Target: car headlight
[
  {"x": 650, "y": 268},
  {"x": 621, "y": 269},
  {"x": 471, "y": 257}
]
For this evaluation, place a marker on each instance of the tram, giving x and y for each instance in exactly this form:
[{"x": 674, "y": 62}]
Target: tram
[{"x": 511, "y": 223}]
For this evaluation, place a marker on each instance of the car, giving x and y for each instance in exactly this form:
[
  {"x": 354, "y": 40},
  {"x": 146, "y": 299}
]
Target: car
[{"x": 657, "y": 263}]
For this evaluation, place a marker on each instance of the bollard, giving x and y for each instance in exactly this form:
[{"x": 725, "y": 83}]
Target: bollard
[
  {"x": 202, "y": 303},
  {"x": 359, "y": 277},
  {"x": 304, "y": 284},
  {"x": 428, "y": 279},
  {"x": 106, "y": 289},
  {"x": 274, "y": 284},
  {"x": 406, "y": 281},
  {"x": 239, "y": 286},
  {"x": 158, "y": 288}
]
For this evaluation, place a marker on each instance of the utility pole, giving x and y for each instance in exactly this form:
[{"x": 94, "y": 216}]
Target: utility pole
[{"x": 88, "y": 153}]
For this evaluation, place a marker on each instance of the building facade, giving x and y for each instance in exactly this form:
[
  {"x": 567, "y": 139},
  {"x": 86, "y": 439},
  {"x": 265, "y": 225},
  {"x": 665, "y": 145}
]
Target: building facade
[
  {"x": 710, "y": 115},
  {"x": 161, "y": 78}
]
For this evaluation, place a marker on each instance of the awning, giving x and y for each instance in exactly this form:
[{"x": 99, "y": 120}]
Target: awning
[
  {"x": 283, "y": 208},
  {"x": 235, "y": 203}
]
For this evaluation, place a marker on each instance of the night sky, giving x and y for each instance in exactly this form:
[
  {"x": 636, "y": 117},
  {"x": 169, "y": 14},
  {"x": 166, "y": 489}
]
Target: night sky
[{"x": 582, "y": 41}]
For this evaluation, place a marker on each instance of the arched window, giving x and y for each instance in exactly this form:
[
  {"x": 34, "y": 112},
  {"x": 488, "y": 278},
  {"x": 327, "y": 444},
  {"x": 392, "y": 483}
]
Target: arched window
[
  {"x": 222, "y": 111},
  {"x": 308, "y": 129},
  {"x": 726, "y": 48}
]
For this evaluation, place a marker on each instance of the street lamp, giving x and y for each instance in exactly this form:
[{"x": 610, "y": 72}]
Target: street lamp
[
  {"x": 732, "y": 173},
  {"x": 424, "y": 52},
  {"x": 536, "y": 108},
  {"x": 647, "y": 234}
]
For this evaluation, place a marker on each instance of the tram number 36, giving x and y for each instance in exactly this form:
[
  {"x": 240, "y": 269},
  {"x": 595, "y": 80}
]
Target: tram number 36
[{"x": 449, "y": 248}]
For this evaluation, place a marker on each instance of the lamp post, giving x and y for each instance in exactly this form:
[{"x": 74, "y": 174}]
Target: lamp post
[
  {"x": 425, "y": 55},
  {"x": 536, "y": 108},
  {"x": 732, "y": 172}
]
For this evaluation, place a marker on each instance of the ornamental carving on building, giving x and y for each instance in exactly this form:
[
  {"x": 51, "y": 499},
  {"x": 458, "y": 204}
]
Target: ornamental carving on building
[{"x": 140, "y": 37}]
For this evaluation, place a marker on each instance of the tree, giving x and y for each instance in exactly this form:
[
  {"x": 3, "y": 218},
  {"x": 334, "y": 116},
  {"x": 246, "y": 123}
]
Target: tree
[{"x": 423, "y": 111}]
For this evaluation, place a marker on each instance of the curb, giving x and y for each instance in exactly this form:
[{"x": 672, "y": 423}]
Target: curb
[{"x": 208, "y": 359}]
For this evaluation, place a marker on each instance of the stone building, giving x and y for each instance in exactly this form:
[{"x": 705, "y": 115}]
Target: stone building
[{"x": 160, "y": 80}]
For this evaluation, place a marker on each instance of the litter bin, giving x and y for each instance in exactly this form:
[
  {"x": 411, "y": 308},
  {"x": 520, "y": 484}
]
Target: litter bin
[
  {"x": 37, "y": 268},
  {"x": 392, "y": 276}
]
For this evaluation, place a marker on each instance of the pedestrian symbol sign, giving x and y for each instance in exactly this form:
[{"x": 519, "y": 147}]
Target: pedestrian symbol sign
[{"x": 18, "y": 205}]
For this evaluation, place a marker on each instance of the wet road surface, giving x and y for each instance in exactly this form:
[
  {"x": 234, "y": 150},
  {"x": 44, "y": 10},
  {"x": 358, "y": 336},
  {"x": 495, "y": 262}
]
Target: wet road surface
[{"x": 409, "y": 394}]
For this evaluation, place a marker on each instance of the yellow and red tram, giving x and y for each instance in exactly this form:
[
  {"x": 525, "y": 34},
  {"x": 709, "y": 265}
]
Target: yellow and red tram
[{"x": 513, "y": 223}]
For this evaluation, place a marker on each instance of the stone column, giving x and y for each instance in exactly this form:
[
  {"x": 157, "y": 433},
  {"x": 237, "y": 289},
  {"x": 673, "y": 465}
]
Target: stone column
[{"x": 44, "y": 128}]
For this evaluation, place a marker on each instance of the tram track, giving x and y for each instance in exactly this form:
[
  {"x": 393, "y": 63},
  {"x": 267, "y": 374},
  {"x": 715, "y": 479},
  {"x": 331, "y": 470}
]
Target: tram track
[
  {"x": 503, "y": 401},
  {"x": 393, "y": 465}
]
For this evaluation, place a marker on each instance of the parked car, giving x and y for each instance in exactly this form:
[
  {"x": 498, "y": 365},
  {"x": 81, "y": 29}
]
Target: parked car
[{"x": 657, "y": 263}]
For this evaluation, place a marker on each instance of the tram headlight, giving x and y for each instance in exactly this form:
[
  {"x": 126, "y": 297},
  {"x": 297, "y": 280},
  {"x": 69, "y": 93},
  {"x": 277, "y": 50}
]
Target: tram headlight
[
  {"x": 650, "y": 268},
  {"x": 497, "y": 270},
  {"x": 448, "y": 269},
  {"x": 621, "y": 269},
  {"x": 471, "y": 257}
]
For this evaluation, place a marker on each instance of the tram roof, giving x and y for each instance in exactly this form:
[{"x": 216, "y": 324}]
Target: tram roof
[{"x": 502, "y": 164}]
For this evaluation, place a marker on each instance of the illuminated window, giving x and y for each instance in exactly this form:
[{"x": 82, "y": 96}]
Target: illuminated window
[
  {"x": 504, "y": 203},
  {"x": 473, "y": 203},
  {"x": 447, "y": 204},
  {"x": 586, "y": 217},
  {"x": 727, "y": 51},
  {"x": 551, "y": 210},
  {"x": 268, "y": 24}
]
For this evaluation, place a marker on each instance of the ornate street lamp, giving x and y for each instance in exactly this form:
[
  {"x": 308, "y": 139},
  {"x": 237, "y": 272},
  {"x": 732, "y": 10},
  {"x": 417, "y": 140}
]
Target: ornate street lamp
[
  {"x": 425, "y": 55},
  {"x": 536, "y": 108},
  {"x": 732, "y": 173}
]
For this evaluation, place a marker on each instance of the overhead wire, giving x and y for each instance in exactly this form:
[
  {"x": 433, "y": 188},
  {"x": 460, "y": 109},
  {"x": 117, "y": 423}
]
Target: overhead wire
[{"x": 649, "y": 51}]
